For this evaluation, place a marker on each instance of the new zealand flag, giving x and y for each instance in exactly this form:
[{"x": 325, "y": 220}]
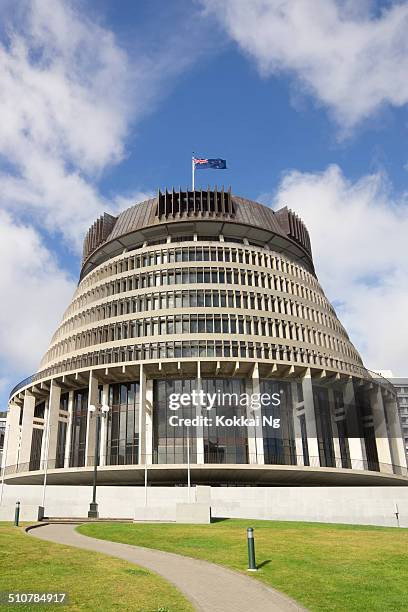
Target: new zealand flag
[{"x": 216, "y": 164}]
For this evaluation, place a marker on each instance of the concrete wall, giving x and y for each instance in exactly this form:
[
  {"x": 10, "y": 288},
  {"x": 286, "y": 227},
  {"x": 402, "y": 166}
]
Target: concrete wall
[
  {"x": 66, "y": 501},
  {"x": 354, "y": 505}
]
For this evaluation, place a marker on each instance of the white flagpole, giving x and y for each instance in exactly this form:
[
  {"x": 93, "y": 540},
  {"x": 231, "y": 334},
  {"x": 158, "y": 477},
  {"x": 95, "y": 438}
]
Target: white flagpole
[{"x": 192, "y": 171}]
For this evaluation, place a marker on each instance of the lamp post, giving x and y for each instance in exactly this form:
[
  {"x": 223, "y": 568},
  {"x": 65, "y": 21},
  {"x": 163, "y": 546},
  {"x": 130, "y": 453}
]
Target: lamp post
[
  {"x": 99, "y": 411},
  {"x": 4, "y": 459}
]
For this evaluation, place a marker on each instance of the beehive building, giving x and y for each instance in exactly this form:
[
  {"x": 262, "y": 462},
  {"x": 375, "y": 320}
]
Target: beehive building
[{"x": 200, "y": 325}]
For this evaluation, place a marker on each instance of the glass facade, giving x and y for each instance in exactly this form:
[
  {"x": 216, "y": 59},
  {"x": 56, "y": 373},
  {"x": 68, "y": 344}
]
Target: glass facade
[
  {"x": 317, "y": 419},
  {"x": 279, "y": 443},
  {"x": 324, "y": 428},
  {"x": 342, "y": 428},
  {"x": 226, "y": 443},
  {"x": 36, "y": 443},
  {"x": 79, "y": 426},
  {"x": 365, "y": 420},
  {"x": 62, "y": 433},
  {"x": 122, "y": 440},
  {"x": 172, "y": 444},
  {"x": 61, "y": 438}
]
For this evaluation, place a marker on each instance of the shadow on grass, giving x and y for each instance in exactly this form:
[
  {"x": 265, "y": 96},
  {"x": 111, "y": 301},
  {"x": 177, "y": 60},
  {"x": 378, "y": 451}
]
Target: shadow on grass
[{"x": 259, "y": 565}]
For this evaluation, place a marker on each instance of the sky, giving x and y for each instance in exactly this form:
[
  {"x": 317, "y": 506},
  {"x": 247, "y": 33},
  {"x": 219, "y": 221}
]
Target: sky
[{"x": 103, "y": 102}]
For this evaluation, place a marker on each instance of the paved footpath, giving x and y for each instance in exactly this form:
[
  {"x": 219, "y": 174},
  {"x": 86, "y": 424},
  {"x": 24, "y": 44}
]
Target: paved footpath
[{"x": 209, "y": 587}]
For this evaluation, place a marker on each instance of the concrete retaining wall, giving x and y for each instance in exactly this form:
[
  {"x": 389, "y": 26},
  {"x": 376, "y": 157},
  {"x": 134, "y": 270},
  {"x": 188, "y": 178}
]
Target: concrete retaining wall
[{"x": 355, "y": 505}]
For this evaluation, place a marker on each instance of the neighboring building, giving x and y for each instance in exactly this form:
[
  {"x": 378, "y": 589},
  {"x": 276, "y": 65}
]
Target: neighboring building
[
  {"x": 3, "y": 421},
  {"x": 401, "y": 385},
  {"x": 196, "y": 293}
]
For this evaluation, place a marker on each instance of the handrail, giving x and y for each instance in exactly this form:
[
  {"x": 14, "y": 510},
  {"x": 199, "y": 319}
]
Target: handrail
[
  {"x": 21, "y": 384},
  {"x": 180, "y": 459}
]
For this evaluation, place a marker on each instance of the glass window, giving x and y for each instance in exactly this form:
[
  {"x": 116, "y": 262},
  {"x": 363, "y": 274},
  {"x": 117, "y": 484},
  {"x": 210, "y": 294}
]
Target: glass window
[
  {"x": 170, "y": 443},
  {"x": 78, "y": 430},
  {"x": 279, "y": 443},
  {"x": 227, "y": 444},
  {"x": 122, "y": 445},
  {"x": 324, "y": 426}
]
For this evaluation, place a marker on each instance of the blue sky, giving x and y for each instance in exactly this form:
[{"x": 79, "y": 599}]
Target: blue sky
[{"x": 103, "y": 102}]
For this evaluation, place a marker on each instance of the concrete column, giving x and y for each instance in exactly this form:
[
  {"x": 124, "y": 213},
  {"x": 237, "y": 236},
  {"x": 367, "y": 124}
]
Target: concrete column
[
  {"x": 93, "y": 397},
  {"x": 69, "y": 428},
  {"x": 27, "y": 428},
  {"x": 396, "y": 437},
  {"x": 251, "y": 430},
  {"x": 336, "y": 443},
  {"x": 199, "y": 428},
  {"x": 52, "y": 424},
  {"x": 297, "y": 411},
  {"x": 380, "y": 427},
  {"x": 44, "y": 434},
  {"x": 104, "y": 426},
  {"x": 310, "y": 419},
  {"x": 142, "y": 416},
  {"x": 357, "y": 454},
  {"x": 12, "y": 436},
  {"x": 298, "y": 440},
  {"x": 255, "y": 433},
  {"x": 149, "y": 421}
]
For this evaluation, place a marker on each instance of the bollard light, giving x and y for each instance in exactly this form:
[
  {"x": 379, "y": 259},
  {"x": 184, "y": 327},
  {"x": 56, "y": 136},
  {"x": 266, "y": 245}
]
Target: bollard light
[
  {"x": 17, "y": 514},
  {"x": 251, "y": 550}
]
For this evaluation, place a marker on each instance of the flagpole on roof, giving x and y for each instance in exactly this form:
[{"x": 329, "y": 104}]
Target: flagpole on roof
[{"x": 192, "y": 171}]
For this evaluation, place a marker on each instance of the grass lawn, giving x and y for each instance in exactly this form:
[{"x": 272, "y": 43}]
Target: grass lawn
[
  {"x": 324, "y": 567},
  {"x": 93, "y": 581}
]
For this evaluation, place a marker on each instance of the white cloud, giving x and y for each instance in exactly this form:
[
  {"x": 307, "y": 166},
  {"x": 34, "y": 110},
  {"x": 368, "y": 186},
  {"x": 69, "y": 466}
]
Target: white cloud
[
  {"x": 359, "y": 234},
  {"x": 34, "y": 293},
  {"x": 63, "y": 87},
  {"x": 69, "y": 96},
  {"x": 64, "y": 118},
  {"x": 65, "y": 114},
  {"x": 350, "y": 59}
]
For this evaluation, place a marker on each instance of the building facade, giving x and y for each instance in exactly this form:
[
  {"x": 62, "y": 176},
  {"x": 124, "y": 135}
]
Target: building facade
[
  {"x": 3, "y": 422},
  {"x": 200, "y": 325}
]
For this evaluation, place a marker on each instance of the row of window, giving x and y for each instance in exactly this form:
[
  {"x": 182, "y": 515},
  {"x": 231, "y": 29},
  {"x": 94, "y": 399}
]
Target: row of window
[
  {"x": 193, "y": 275},
  {"x": 263, "y": 302},
  {"x": 256, "y": 257},
  {"x": 208, "y": 348},
  {"x": 201, "y": 324}
]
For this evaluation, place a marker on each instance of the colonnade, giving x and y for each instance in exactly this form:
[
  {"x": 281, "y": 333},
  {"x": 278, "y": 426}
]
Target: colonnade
[{"x": 382, "y": 418}]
